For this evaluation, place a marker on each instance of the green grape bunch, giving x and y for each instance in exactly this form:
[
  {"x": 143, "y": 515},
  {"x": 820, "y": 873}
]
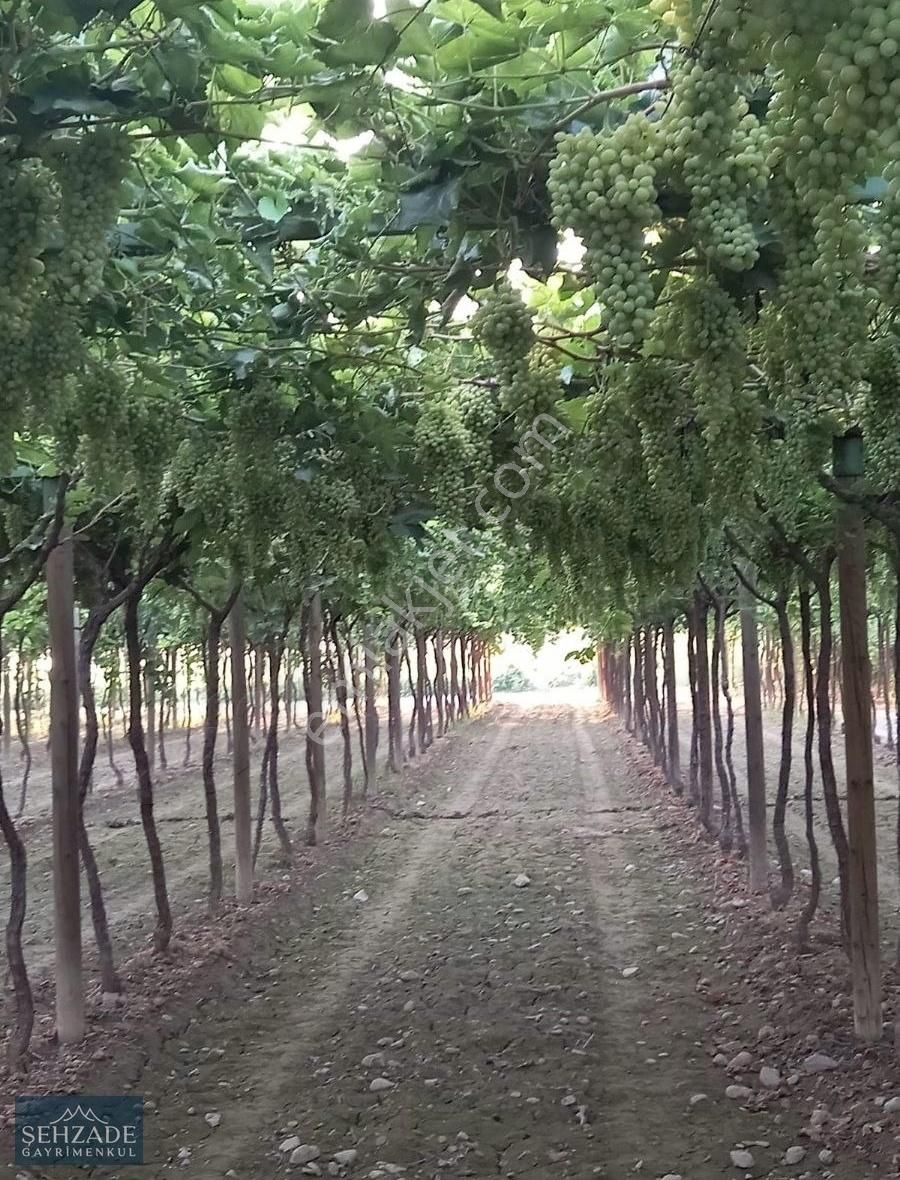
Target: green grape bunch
[
  {"x": 717, "y": 150},
  {"x": 533, "y": 390},
  {"x": 881, "y": 416},
  {"x": 480, "y": 412},
  {"x": 89, "y": 171},
  {"x": 28, "y": 204},
  {"x": 445, "y": 451},
  {"x": 603, "y": 188},
  {"x": 505, "y": 326}
]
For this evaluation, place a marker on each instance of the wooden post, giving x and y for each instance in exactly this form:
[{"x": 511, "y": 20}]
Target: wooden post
[
  {"x": 856, "y": 689},
  {"x": 753, "y": 728},
  {"x": 240, "y": 755},
  {"x": 70, "y": 1020}
]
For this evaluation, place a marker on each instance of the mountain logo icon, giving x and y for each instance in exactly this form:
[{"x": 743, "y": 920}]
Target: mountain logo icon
[{"x": 88, "y": 1116}]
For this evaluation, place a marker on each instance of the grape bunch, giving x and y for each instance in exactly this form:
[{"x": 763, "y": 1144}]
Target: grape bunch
[
  {"x": 333, "y": 501},
  {"x": 881, "y": 416},
  {"x": 716, "y": 148},
  {"x": 197, "y": 478},
  {"x": 89, "y": 172},
  {"x": 445, "y": 451},
  {"x": 888, "y": 258},
  {"x": 602, "y": 186},
  {"x": 677, "y": 14},
  {"x": 814, "y": 329},
  {"x": 702, "y": 324},
  {"x": 505, "y": 326},
  {"x": 659, "y": 402},
  {"x": 480, "y": 413},
  {"x": 101, "y": 398},
  {"x": 27, "y": 210},
  {"x": 531, "y": 391}
]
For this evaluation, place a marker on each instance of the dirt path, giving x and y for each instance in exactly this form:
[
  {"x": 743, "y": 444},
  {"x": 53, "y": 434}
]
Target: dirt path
[{"x": 511, "y": 1032}]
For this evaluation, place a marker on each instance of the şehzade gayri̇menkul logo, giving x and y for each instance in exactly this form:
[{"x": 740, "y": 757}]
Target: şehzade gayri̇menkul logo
[{"x": 79, "y": 1129}]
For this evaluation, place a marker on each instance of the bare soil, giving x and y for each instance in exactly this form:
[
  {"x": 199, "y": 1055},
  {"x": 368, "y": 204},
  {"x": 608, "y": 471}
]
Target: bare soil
[{"x": 576, "y": 1025}]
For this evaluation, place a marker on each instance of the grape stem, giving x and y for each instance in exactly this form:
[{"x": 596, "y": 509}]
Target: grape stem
[{"x": 602, "y": 96}]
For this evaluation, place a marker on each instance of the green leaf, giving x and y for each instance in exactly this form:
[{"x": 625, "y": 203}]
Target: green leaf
[
  {"x": 493, "y": 7},
  {"x": 273, "y": 208},
  {"x": 476, "y": 50},
  {"x": 181, "y": 66},
  {"x": 205, "y": 181},
  {"x": 340, "y": 17},
  {"x": 369, "y": 47},
  {"x": 574, "y": 412}
]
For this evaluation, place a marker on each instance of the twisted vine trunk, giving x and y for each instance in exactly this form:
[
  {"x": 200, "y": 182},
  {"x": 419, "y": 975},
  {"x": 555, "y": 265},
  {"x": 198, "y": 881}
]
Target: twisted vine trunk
[
  {"x": 726, "y": 836},
  {"x": 809, "y": 910},
  {"x": 372, "y": 724},
  {"x": 163, "y": 931},
  {"x": 437, "y": 643},
  {"x": 736, "y": 808},
  {"x": 639, "y": 727},
  {"x": 90, "y": 633},
  {"x": 395, "y": 724},
  {"x": 21, "y": 708},
  {"x": 782, "y": 893},
  {"x": 694, "y": 760},
  {"x": 20, "y": 1033},
  {"x": 826, "y": 760},
  {"x": 673, "y": 744},
  {"x": 422, "y": 709},
  {"x": 463, "y": 690},
  {"x": 7, "y": 707},
  {"x": 453, "y": 698},
  {"x": 340, "y": 688},
  {"x": 704, "y": 729},
  {"x": 315, "y": 720},
  {"x": 210, "y": 735},
  {"x": 651, "y": 694},
  {"x": 276, "y": 653}
]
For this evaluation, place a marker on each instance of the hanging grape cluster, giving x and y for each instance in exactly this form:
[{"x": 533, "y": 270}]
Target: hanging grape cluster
[
  {"x": 480, "y": 414},
  {"x": 445, "y": 451},
  {"x": 505, "y": 326},
  {"x": 603, "y": 186},
  {"x": 813, "y": 329},
  {"x": 881, "y": 411},
  {"x": 678, "y": 15},
  {"x": 887, "y": 263},
  {"x": 716, "y": 149},
  {"x": 89, "y": 172},
  {"x": 701, "y": 324},
  {"x": 534, "y": 389}
]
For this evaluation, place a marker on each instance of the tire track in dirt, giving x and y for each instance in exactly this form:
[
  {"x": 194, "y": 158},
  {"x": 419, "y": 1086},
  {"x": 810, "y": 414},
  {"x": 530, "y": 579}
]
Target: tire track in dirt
[
  {"x": 648, "y": 907},
  {"x": 311, "y": 1017}
]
